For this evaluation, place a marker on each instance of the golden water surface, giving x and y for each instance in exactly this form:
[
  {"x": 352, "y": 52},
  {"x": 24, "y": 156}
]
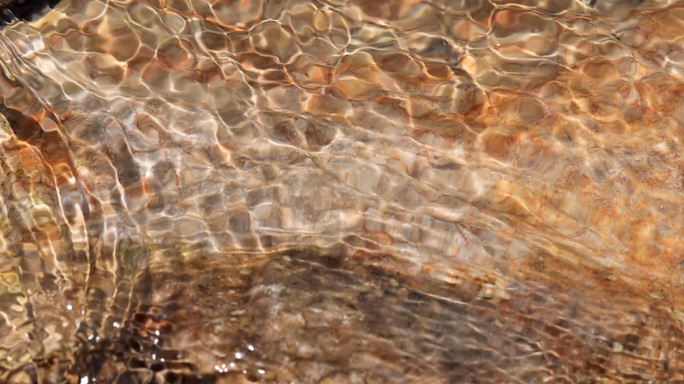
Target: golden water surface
[{"x": 333, "y": 191}]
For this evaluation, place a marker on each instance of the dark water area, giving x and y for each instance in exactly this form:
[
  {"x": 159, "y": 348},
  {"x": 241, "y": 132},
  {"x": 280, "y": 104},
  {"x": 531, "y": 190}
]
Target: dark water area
[{"x": 23, "y": 10}]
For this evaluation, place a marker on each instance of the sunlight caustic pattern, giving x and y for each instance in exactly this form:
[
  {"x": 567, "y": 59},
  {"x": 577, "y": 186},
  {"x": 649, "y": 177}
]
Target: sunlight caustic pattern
[{"x": 340, "y": 191}]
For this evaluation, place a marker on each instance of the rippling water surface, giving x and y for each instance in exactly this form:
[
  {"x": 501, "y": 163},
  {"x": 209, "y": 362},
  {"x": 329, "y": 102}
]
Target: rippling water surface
[{"x": 331, "y": 191}]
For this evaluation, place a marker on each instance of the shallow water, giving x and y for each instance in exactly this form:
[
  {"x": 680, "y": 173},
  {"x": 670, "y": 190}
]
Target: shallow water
[{"x": 343, "y": 192}]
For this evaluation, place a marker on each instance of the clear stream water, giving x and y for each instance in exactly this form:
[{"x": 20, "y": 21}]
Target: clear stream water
[{"x": 329, "y": 191}]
